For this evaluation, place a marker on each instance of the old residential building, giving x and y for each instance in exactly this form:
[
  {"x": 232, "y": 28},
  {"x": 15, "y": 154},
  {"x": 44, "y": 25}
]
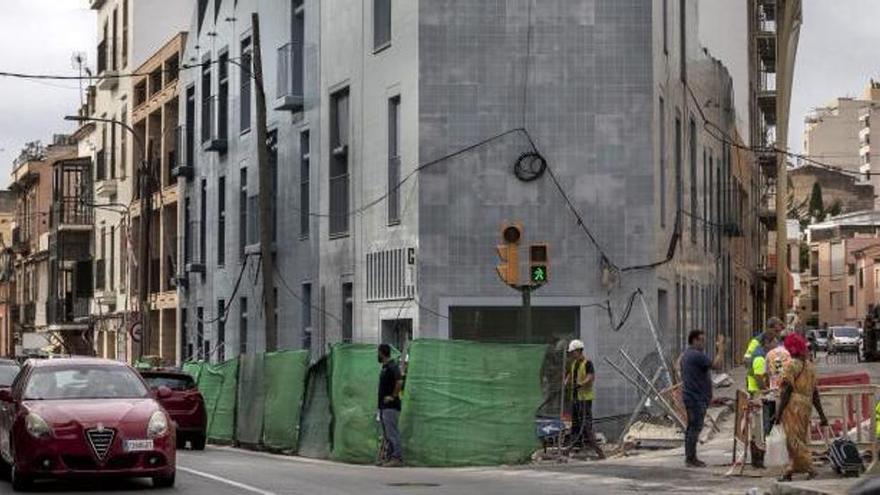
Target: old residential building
[
  {"x": 7, "y": 281},
  {"x": 837, "y": 187}
]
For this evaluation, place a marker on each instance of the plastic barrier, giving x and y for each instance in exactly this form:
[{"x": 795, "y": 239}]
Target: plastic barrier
[
  {"x": 284, "y": 381},
  {"x": 354, "y": 381},
  {"x": 218, "y": 384},
  {"x": 468, "y": 403},
  {"x": 315, "y": 435},
  {"x": 193, "y": 368},
  {"x": 856, "y": 414},
  {"x": 251, "y": 399}
]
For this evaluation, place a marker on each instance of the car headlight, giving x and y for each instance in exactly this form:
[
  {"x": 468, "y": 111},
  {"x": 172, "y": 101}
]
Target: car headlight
[
  {"x": 36, "y": 426},
  {"x": 158, "y": 425}
]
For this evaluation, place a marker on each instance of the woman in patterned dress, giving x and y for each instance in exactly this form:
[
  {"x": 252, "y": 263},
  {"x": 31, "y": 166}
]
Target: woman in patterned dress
[{"x": 798, "y": 397}]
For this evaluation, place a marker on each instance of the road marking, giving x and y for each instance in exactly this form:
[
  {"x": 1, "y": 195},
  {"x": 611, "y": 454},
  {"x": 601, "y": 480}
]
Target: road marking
[{"x": 226, "y": 481}]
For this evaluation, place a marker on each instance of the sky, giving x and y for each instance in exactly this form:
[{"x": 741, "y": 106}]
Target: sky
[
  {"x": 839, "y": 51},
  {"x": 39, "y": 36}
]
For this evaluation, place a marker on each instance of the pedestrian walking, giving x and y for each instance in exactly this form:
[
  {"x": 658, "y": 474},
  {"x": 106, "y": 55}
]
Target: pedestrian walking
[
  {"x": 758, "y": 379},
  {"x": 579, "y": 380},
  {"x": 798, "y": 396},
  {"x": 697, "y": 388},
  {"x": 390, "y": 384}
]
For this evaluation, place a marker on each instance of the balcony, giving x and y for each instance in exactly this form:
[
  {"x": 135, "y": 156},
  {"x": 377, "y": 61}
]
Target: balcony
[
  {"x": 72, "y": 214},
  {"x": 107, "y": 79},
  {"x": 215, "y": 124},
  {"x": 69, "y": 312},
  {"x": 20, "y": 244},
  {"x": 182, "y": 163},
  {"x": 290, "y": 77},
  {"x": 767, "y": 162}
]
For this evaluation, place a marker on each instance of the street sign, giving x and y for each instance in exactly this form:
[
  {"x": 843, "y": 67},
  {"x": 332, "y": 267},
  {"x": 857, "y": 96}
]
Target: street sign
[
  {"x": 135, "y": 332},
  {"x": 538, "y": 274}
]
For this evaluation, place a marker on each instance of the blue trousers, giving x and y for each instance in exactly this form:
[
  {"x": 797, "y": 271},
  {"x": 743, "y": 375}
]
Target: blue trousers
[{"x": 696, "y": 411}]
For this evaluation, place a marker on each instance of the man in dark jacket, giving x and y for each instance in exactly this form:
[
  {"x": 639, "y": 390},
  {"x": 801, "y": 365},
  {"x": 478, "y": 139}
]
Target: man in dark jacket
[{"x": 390, "y": 384}]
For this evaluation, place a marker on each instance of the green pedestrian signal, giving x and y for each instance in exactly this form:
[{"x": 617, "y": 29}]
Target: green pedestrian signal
[{"x": 539, "y": 274}]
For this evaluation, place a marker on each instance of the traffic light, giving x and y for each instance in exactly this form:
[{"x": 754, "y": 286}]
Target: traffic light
[
  {"x": 539, "y": 263},
  {"x": 508, "y": 269}
]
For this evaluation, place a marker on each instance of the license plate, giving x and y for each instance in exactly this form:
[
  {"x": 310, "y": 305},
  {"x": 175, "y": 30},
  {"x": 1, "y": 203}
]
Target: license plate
[{"x": 138, "y": 445}]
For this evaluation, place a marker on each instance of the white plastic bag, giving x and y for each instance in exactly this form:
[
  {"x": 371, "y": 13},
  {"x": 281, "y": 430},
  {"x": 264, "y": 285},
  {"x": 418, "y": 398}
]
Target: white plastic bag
[{"x": 777, "y": 452}]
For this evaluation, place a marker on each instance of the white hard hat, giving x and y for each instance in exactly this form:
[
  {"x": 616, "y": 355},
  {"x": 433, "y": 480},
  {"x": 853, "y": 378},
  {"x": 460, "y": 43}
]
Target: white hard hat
[{"x": 575, "y": 345}]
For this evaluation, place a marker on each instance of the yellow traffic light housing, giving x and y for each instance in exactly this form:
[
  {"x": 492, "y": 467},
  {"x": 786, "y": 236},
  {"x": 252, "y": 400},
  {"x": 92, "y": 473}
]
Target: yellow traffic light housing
[{"x": 508, "y": 269}]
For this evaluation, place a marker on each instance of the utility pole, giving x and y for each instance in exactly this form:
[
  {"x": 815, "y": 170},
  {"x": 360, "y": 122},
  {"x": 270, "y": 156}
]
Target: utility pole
[
  {"x": 144, "y": 248},
  {"x": 266, "y": 227}
]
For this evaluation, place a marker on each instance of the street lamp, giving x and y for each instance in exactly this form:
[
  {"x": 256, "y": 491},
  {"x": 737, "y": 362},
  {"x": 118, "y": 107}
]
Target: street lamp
[{"x": 137, "y": 137}]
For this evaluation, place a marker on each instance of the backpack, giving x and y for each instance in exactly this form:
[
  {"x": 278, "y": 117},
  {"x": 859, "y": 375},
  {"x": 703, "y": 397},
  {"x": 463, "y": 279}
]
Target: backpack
[{"x": 845, "y": 458}]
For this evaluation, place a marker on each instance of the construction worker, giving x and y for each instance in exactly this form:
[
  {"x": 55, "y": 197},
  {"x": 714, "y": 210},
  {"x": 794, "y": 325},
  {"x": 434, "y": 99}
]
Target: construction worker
[
  {"x": 775, "y": 327},
  {"x": 758, "y": 383},
  {"x": 579, "y": 380}
]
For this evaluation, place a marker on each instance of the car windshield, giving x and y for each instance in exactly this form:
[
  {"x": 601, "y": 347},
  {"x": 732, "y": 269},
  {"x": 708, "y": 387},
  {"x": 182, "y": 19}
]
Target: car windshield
[
  {"x": 846, "y": 332},
  {"x": 84, "y": 382},
  {"x": 8, "y": 372},
  {"x": 823, "y": 334},
  {"x": 174, "y": 382}
]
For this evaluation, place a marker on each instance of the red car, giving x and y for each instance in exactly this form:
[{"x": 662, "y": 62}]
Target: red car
[
  {"x": 185, "y": 405},
  {"x": 84, "y": 417}
]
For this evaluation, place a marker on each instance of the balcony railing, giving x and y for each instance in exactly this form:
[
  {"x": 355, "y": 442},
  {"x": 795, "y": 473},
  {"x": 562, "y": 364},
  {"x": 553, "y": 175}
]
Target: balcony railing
[
  {"x": 72, "y": 211},
  {"x": 339, "y": 205},
  {"x": 290, "y": 77},
  {"x": 67, "y": 310}
]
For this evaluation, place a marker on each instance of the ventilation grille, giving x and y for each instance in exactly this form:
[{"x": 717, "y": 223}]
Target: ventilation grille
[
  {"x": 387, "y": 275},
  {"x": 100, "y": 441}
]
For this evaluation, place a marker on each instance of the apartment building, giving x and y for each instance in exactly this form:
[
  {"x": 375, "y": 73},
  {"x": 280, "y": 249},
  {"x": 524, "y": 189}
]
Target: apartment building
[
  {"x": 838, "y": 187},
  {"x": 155, "y": 120},
  {"x": 392, "y": 145},
  {"x": 7, "y": 282},
  {"x": 130, "y": 32},
  {"x": 869, "y": 113},
  {"x": 35, "y": 261}
]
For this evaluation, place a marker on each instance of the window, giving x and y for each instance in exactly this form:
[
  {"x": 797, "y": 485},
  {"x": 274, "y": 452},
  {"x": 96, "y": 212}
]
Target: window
[
  {"x": 242, "y": 326},
  {"x": 245, "y": 101},
  {"x": 682, "y": 6},
  {"x": 125, "y": 33},
  {"x": 185, "y": 342},
  {"x": 200, "y": 332},
  {"x": 242, "y": 212},
  {"x": 113, "y": 151},
  {"x": 206, "y": 100},
  {"x": 190, "y": 126},
  {"x": 861, "y": 278},
  {"x": 852, "y": 295},
  {"x": 221, "y": 220},
  {"x": 221, "y": 330},
  {"x": 223, "y": 97},
  {"x": 339, "y": 163},
  {"x": 381, "y": 24},
  {"x": 662, "y": 129},
  {"x": 665, "y": 27},
  {"x": 123, "y": 143},
  {"x": 837, "y": 259},
  {"x": 304, "y": 176},
  {"x": 679, "y": 185},
  {"x": 307, "y": 316},
  {"x": 112, "y": 282},
  {"x": 114, "y": 56},
  {"x": 203, "y": 221},
  {"x": 692, "y": 127},
  {"x": 187, "y": 230},
  {"x": 347, "y": 312},
  {"x": 705, "y": 201},
  {"x": 393, "y": 160}
]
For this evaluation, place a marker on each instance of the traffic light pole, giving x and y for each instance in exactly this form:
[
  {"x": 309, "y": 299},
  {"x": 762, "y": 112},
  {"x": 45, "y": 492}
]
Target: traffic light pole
[{"x": 526, "y": 320}]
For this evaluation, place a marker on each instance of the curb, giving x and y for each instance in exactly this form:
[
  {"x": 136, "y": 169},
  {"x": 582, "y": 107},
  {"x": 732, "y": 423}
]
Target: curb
[{"x": 803, "y": 489}]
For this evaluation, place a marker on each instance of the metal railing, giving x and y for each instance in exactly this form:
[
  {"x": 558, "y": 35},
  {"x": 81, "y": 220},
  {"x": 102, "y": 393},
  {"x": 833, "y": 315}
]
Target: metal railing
[
  {"x": 72, "y": 211},
  {"x": 67, "y": 310},
  {"x": 339, "y": 205},
  {"x": 290, "y": 71}
]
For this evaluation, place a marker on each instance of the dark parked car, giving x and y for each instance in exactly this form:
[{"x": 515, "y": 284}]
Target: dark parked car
[
  {"x": 185, "y": 405},
  {"x": 9, "y": 369},
  {"x": 84, "y": 417}
]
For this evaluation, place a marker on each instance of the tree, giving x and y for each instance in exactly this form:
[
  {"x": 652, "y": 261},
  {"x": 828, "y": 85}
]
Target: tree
[
  {"x": 835, "y": 209},
  {"x": 817, "y": 206}
]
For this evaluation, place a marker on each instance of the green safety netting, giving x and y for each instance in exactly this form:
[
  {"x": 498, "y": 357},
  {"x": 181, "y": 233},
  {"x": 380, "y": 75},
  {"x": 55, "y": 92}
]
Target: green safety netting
[
  {"x": 317, "y": 418},
  {"x": 354, "y": 380},
  {"x": 218, "y": 384},
  {"x": 250, "y": 401},
  {"x": 284, "y": 382},
  {"x": 193, "y": 368},
  {"x": 468, "y": 403}
]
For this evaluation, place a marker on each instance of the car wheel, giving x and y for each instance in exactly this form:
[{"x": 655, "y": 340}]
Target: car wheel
[
  {"x": 198, "y": 441},
  {"x": 20, "y": 483},
  {"x": 163, "y": 481}
]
